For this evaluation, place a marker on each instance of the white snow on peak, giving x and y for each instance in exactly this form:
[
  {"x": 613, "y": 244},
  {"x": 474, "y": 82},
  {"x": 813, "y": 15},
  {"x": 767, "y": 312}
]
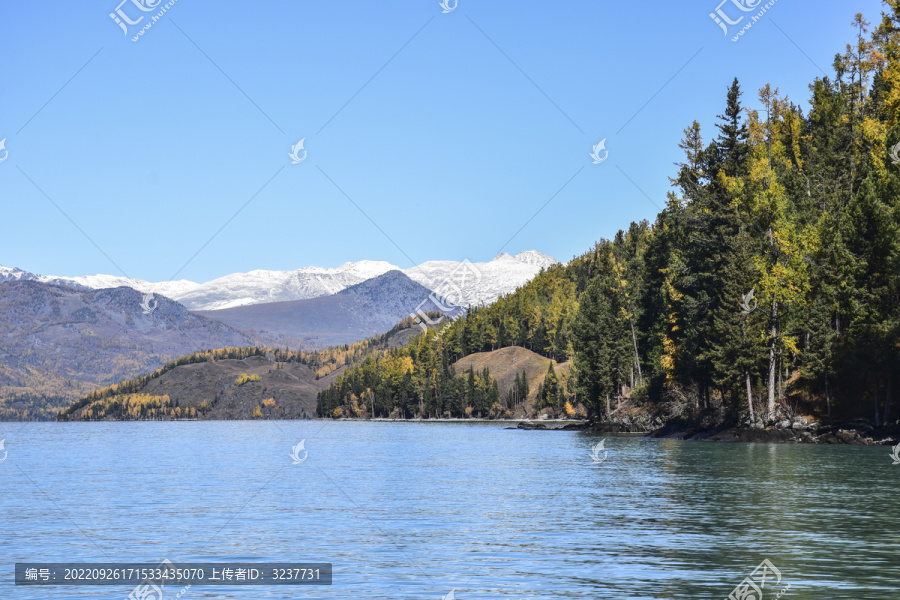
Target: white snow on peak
[
  {"x": 168, "y": 289},
  {"x": 14, "y": 274},
  {"x": 477, "y": 283},
  {"x": 533, "y": 257},
  {"x": 259, "y": 286}
]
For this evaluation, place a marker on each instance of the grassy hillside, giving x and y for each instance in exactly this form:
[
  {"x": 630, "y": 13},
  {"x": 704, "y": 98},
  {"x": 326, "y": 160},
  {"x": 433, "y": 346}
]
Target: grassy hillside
[
  {"x": 253, "y": 387},
  {"x": 505, "y": 364}
]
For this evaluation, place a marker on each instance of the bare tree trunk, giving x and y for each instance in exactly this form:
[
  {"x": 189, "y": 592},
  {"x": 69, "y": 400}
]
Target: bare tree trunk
[
  {"x": 637, "y": 359},
  {"x": 750, "y": 399},
  {"x": 827, "y": 398},
  {"x": 779, "y": 378},
  {"x": 607, "y": 407},
  {"x": 774, "y": 333}
]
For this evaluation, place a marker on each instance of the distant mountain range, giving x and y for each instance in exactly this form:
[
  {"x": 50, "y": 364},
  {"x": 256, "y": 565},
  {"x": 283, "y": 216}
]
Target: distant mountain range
[
  {"x": 355, "y": 313},
  {"x": 56, "y": 342},
  {"x": 169, "y": 289},
  {"x": 483, "y": 283},
  {"x": 61, "y": 337}
]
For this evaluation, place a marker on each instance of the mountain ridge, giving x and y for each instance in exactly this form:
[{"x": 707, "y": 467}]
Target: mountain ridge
[
  {"x": 352, "y": 314},
  {"x": 58, "y": 340},
  {"x": 499, "y": 276}
]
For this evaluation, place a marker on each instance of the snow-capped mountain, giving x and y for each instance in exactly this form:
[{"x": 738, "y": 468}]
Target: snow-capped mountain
[
  {"x": 170, "y": 289},
  {"x": 462, "y": 282},
  {"x": 533, "y": 257},
  {"x": 474, "y": 284},
  {"x": 14, "y": 274},
  {"x": 260, "y": 286}
]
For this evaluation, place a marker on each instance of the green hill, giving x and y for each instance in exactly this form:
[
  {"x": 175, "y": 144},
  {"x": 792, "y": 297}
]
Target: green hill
[{"x": 507, "y": 365}]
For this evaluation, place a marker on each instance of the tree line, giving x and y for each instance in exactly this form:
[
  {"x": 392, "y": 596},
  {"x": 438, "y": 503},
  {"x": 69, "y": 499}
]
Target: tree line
[{"x": 771, "y": 277}]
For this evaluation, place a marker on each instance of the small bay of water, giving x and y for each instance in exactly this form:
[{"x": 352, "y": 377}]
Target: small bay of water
[{"x": 415, "y": 510}]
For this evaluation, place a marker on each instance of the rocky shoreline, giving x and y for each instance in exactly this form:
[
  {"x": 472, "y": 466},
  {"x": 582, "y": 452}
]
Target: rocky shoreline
[{"x": 796, "y": 430}]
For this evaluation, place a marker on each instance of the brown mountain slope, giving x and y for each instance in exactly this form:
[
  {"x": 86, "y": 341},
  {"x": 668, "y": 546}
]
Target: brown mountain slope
[
  {"x": 214, "y": 390},
  {"x": 505, "y": 363},
  {"x": 57, "y": 342},
  {"x": 232, "y": 383}
]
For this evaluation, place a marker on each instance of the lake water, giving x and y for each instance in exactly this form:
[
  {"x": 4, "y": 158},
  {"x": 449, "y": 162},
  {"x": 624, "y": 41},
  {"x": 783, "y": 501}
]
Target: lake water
[{"x": 415, "y": 510}]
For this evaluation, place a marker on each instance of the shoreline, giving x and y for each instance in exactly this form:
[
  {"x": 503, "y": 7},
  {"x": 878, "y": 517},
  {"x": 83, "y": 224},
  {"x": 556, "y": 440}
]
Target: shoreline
[{"x": 859, "y": 432}]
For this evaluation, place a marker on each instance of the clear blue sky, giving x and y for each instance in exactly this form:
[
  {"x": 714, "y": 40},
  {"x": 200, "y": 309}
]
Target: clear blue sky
[{"x": 458, "y": 129}]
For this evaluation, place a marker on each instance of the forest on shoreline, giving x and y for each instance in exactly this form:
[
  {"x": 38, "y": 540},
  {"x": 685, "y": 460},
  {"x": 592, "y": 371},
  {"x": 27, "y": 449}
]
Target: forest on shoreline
[{"x": 770, "y": 282}]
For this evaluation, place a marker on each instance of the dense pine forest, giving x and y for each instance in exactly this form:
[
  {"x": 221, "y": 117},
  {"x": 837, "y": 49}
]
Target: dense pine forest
[{"x": 771, "y": 280}]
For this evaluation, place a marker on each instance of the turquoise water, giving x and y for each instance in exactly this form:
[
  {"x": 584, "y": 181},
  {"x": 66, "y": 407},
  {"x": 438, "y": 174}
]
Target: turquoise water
[{"x": 415, "y": 510}]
